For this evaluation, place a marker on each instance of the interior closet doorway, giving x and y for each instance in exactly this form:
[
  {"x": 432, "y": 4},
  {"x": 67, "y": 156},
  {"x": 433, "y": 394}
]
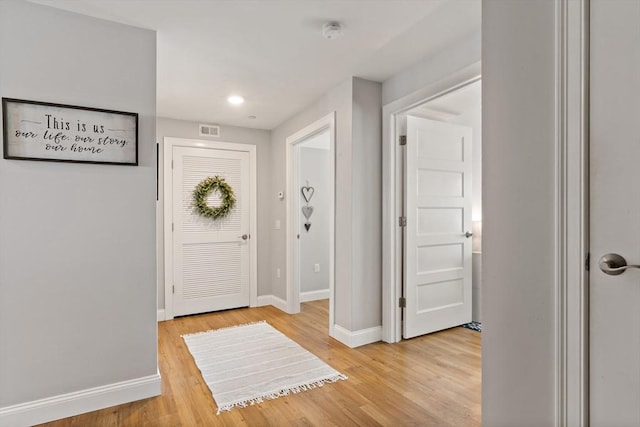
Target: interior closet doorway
[{"x": 311, "y": 215}]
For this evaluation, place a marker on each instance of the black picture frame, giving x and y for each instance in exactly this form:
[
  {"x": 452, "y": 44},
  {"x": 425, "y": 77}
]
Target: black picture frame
[{"x": 45, "y": 131}]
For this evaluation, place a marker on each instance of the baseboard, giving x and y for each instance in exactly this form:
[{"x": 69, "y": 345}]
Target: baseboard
[
  {"x": 273, "y": 300},
  {"x": 314, "y": 295},
  {"x": 161, "y": 316},
  {"x": 80, "y": 402},
  {"x": 357, "y": 338}
]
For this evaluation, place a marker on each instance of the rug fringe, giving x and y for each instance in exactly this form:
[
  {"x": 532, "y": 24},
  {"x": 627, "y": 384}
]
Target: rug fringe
[
  {"x": 284, "y": 392},
  {"x": 222, "y": 329}
]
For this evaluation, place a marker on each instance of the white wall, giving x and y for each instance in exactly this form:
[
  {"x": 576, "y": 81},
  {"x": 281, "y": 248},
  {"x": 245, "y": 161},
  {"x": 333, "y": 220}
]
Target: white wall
[
  {"x": 519, "y": 167},
  {"x": 314, "y": 244},
  {"x": 262, "y": 140},
  {"x": 77, "y": 252},
  {"x": 358, "y": 207}
]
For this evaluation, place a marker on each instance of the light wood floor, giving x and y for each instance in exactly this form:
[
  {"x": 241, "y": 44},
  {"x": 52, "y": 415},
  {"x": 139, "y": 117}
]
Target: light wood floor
[{"x": 432, "y": 380}]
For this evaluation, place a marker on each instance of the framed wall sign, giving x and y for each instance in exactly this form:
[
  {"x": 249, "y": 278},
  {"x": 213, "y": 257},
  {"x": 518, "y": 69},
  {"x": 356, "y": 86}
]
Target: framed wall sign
[{"x": 67, "y": 133}]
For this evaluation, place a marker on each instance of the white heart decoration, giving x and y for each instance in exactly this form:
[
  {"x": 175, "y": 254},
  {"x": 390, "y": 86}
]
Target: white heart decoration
[
  {"x": 307, "y": 193},
  {"x": 307, "y": 211}
]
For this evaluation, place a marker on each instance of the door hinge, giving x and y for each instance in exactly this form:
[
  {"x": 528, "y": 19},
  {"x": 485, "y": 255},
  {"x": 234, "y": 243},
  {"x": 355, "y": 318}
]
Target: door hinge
[
  {"x": 403, "y": 139},
  {"x": 402, "y": 221},
  {"x": 402, "y": 302},
  {"x": 171, "y": 226},
  {"x": 173, "y": 289},
  {"x": 587, "y": 261},
  {"x": 171, "y": 164}
]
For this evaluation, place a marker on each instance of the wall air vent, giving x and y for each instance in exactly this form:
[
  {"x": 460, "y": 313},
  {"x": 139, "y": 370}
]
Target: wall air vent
[{"x": 209, "y": 130}]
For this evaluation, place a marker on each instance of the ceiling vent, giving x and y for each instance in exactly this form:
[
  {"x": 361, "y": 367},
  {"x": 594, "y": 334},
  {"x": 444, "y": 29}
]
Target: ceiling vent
[{"x": 209, "y": 130}]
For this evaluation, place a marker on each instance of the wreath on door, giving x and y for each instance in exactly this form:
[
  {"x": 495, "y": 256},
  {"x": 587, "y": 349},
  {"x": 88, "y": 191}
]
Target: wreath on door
[{"x": 206, "y": 187}]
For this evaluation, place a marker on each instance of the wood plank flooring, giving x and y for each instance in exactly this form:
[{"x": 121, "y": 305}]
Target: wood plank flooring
[{"x": 432, "y": 380}]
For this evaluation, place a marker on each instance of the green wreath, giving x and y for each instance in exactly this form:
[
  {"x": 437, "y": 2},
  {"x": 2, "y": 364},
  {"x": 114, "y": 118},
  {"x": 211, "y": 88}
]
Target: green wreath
[{"x": 205, "y": 188}]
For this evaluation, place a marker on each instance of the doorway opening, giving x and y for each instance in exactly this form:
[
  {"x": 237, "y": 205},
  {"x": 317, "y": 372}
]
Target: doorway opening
[
  {"x": 431, "y": 217},
  {"x": 311, "y": 215}
]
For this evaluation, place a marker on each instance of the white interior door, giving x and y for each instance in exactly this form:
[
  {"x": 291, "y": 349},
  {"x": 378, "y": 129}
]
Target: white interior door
[
  {"x": 211, "y": 265},
  {"x": 437, "y": 261},
  {"x": 614, "y": 355}
]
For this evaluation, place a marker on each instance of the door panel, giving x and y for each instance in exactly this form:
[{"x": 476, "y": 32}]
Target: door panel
[
  {"x": 615, "y": 212},
  {"x": 437, "y": 262},
  {"x": 211, "y": 259}
]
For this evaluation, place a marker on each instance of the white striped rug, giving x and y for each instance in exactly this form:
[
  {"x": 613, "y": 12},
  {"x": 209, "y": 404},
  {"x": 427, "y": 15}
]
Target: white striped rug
[{"x": 242, "y": 365}]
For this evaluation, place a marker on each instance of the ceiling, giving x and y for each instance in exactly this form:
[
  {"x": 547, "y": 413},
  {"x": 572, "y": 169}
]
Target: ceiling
[{"x": 271, "y": 51}]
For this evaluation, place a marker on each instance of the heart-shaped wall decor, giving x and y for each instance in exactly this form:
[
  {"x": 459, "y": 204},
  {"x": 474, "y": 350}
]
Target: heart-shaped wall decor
[
  {"x": 307, "y": 211},
  {"x": 307, "y": 193},
  {"x": 307, "y": 225}
]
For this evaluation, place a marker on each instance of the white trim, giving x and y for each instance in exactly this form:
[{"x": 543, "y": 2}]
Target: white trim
[
  {"x": 273, "y": 300},
  {"x": 161, "y": 316},
  {"x": 391, "y": 192},
  {"x": 571, "y": 221},
  {"x": 357, "y": 338},
  {"x": 314, "y": 295},
  {"x": 292, "y": 251},
  {"x": 169, "y": 143},
  {"x": 80, "y": 402}
]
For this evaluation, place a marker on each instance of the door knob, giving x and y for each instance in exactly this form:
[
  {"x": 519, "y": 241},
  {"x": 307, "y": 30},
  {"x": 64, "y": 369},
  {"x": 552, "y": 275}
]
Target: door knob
[
  {"x": 614, "y": 264},
  {"x": 244, "y": 237},
  {"x": 467, "y": 234}
]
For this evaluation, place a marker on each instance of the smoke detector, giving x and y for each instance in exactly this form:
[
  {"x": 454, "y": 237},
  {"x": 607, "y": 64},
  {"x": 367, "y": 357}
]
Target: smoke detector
[{"x": 332, "y": 30}]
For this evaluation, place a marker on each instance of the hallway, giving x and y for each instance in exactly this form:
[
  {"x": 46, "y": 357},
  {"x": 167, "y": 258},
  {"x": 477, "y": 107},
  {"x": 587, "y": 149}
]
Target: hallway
[{"x": 433, "y": 380}]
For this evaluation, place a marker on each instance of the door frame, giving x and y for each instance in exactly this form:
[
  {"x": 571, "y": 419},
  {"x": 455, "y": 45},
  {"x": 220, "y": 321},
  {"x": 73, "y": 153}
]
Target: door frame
[
  {"x": 292, "y": 218},
  {"x": 392, "y": 191},
  {"x": 169, "y": 144}
]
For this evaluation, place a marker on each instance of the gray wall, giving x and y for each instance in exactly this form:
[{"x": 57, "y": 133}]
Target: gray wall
[
  {"x": 518, "y": 62},
  {"x": 77, "y": 252},
  {"x": 358, "y": 208},
  {"x": 262, "y": 140},
  {"x": 432, "y": 68},
  {"x": 314, "y": 244},
  {"x": 339, "y": 100},
  {"x": 366, "y": 200}
]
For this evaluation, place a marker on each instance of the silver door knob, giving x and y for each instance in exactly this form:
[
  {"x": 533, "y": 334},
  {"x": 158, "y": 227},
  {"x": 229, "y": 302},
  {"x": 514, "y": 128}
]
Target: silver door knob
[
  {"x": 467, "y": 234},
  {"x": 614, "y": 264},
  {"x": 244, "y": 237}
]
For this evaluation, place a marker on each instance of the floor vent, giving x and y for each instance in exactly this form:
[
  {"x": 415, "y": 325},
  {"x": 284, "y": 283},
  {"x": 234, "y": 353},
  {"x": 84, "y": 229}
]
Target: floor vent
[{"x": 209, "y": 130}]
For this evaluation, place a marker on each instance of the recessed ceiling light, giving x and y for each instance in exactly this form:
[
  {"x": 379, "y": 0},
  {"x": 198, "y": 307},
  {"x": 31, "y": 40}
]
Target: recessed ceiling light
[{"x": 235, "y": 100}]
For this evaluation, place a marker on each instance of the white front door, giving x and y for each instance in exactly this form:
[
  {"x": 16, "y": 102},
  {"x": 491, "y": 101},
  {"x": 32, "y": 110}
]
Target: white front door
[
  {"x": 614, "y": 356},
  {"x": 211, "y": 264},
  {"x": 437, "y": 261}
]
